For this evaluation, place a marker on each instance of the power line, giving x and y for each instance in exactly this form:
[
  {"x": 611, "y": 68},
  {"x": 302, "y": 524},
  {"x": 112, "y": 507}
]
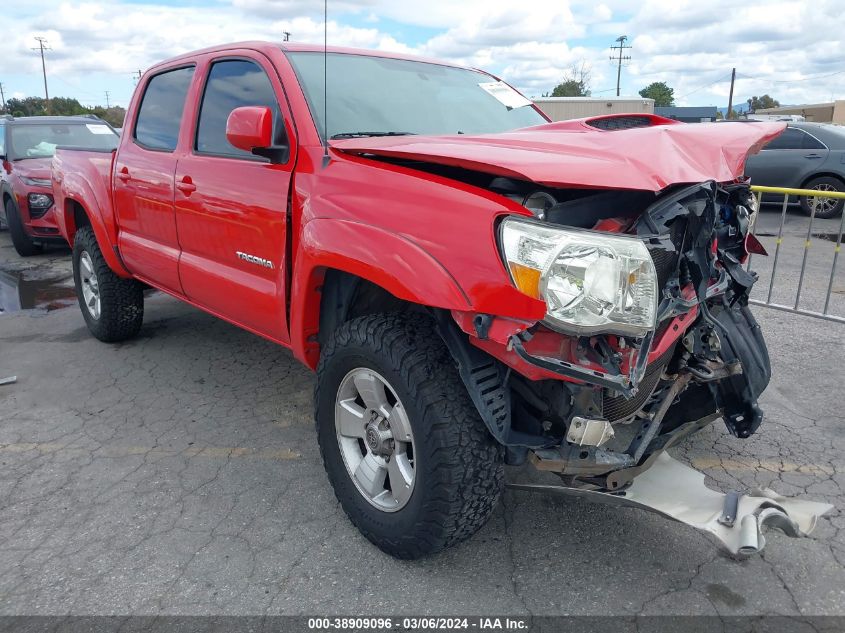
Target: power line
[
  {"x": 42, "y": 46},
  {"x": 720, "y": 79},
  {"x": 790, "y": 81},
  {"x": 621, "y": 39}
]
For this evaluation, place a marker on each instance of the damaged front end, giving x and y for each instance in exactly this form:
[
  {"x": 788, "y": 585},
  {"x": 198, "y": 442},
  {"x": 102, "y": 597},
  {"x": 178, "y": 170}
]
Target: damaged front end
[{"x": 666, "y": 346}]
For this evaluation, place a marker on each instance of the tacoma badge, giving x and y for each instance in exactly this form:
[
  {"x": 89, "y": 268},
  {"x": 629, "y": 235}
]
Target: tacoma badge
[{"x": 252, "y": 259}]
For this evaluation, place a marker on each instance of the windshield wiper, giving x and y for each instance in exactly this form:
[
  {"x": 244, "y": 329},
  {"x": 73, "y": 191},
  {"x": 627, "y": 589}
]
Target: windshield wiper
[{"x": 365, "y": 134}]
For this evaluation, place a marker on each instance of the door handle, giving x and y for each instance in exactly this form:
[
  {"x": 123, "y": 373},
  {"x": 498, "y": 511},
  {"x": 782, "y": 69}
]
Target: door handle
[
  {"x": 812, "y": 155},
  {"x": 186, "y": 186},
  {"x": 123, "y": 174}
]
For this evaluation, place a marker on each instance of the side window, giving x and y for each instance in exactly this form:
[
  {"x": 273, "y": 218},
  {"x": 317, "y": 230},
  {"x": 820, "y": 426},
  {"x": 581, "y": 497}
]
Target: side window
[
  {"x": 811, "y": 142},
  {"x": 233, "y": 84},
  {"x": 2, "y": 140},
  {"x": 160, "y": 114},
  {"x": 792, "y": 138}
]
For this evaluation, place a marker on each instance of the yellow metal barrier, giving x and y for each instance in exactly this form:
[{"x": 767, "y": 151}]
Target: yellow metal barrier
[{"x": 810, "y": 193}]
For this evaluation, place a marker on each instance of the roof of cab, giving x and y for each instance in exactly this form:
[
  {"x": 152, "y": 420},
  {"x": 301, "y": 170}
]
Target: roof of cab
[{"x": 295, "y": 47}]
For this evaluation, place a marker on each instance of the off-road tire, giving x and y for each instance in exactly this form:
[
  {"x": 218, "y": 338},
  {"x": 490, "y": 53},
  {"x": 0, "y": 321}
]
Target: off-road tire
[
  {"x": 20, "y": 240},
  {"x": 459, "y": 466},
  {"x": 121, "y": 300},
  {"x": 837, "y": 185}
]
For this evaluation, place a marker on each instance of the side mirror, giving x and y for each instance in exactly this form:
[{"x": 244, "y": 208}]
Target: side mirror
[{"x": 250, "y": 128}]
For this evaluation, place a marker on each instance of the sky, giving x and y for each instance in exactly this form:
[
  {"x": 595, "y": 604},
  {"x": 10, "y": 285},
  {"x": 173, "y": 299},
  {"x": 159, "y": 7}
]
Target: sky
[{"x": 97, "y": 45}]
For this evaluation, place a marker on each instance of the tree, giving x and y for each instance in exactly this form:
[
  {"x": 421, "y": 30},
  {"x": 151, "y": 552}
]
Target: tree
[
  {"x": 62, "y": 106},
  {"x": 662, "y": 94},
  {"x": 576, "y": 82},
  {"x": 761, "y": 103}
]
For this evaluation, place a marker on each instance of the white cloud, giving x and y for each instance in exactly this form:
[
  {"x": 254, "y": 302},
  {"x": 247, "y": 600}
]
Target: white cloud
[{"x": 775, "y": 46}]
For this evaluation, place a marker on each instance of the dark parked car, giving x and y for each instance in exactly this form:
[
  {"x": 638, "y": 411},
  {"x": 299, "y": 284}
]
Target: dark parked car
[
  {"x": 27, "y": 145},
  {"x": 805, "y": 156}
]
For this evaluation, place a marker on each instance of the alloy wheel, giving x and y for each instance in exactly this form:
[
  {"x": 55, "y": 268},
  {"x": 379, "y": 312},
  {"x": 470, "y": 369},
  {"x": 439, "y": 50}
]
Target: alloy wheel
[
  {"x": 375, "y": 439},
  {"x": 90, "y": 285},
  {"x": 821, "y": 205}
]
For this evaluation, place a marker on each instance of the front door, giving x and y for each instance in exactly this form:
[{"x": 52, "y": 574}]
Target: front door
[
  {"x": 231, "y": 206},
  {"x": 143, "y": 181}
]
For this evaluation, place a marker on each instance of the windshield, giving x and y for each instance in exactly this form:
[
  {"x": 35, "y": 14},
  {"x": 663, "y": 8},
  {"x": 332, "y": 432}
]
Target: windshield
[
  {"x": 380, "y": 95},
  {"x": 39, "y": 140}
]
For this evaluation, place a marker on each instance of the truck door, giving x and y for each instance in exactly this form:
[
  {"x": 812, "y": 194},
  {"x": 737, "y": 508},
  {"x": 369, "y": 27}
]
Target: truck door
[
  {"x": 231, "y": 206},
  {"x": 143, "y": 181}
]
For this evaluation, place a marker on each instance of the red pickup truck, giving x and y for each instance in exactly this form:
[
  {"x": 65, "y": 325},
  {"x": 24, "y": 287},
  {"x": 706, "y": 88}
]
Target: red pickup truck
[{"x": 474, "y": 285}]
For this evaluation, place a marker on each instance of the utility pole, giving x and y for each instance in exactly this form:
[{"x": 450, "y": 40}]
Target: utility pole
[
  {"x": 287, "y": 36},
  {"x": 136, "y": 76},
  {"x": 2, "y": 97},
  {"x": 731, "y": 94},
  {"x": 621, "y": 47},
  {"x": 42, "y": 46},
  {"x": 108, "y": 105}
]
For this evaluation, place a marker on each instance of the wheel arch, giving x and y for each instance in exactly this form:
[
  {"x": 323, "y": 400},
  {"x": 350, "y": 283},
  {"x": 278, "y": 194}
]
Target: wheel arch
[
  {"x": 822, "y": 174},
  {"x": 75, "y": 214},
  {"x": 369, "y": 265}
]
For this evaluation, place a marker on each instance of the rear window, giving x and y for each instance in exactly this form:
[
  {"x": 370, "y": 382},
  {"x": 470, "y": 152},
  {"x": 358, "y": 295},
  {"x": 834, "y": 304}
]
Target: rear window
[
  {"x": 39, "y": 140},
  {"x": 793, "y": 138},
  {"x": 160, "y": 114}
]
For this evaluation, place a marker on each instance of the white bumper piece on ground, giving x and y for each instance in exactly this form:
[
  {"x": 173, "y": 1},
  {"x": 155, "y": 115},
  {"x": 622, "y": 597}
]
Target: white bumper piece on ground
[{"x": 677, "y": 491}]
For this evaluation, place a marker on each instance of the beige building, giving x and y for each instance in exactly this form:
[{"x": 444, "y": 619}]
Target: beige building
[
  {"x": 561, "y": 108},
  {"x": 833, "y": 112}
]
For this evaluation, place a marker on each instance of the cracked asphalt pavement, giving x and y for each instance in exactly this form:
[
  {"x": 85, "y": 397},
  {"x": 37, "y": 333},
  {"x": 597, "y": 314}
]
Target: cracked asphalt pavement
[{"x": 179, "y": 474}]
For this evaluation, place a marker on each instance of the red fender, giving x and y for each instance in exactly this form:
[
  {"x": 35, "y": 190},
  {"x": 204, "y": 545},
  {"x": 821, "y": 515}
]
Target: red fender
[
  {"x": 386, "y": 259},
  {"x": 73, "y": 188}
]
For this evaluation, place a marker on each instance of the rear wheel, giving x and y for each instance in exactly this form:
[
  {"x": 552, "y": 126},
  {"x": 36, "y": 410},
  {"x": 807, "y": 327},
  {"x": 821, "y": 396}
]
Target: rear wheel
[
  {"x": 113, "y": 307},
  {"x": 22, "y": 242},
  {"x": 825, "y": 207},
  {"x": 406, "y": 452}
]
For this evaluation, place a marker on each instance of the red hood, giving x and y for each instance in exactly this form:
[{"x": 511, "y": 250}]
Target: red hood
[
  {"x": 575, "y": 154},
  {"x": 33, "y": 167}
]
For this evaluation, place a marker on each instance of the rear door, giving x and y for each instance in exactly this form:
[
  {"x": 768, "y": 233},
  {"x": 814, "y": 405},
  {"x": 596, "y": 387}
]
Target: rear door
[
  {"x": 143, "y": 180},
  {"x": 786, "y": 161},
  {"x": 231, "y": 206}
]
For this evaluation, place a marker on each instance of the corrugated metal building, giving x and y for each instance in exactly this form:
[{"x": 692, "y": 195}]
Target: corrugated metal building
[{"x": 561, "y": 108}]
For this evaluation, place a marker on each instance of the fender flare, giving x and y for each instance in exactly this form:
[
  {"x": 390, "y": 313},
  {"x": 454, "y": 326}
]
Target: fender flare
[
  {"x": 389, "y": 260},
  {"x": 75, "y": 189}
]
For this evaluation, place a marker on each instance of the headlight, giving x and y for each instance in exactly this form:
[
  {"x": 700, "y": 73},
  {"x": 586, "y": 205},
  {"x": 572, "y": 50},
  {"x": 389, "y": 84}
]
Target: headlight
[
  {"x": 37, "y": 182},
  {"x": 591, "y": 282},
  {"x": 39, "y": 202}
]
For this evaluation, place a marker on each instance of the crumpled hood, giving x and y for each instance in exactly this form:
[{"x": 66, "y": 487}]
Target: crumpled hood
[
  {"x": 576, "y": 154},
  {"x": 33, "y": 167}
]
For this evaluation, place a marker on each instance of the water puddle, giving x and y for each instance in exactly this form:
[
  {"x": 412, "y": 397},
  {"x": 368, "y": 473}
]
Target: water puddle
[{"x": 17, "y": 293}]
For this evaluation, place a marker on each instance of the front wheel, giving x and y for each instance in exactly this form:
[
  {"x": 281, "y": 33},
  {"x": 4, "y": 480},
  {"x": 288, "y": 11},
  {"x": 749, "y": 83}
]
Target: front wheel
[
  {"x": 20, "y": 240},
  {"x": 113, "y": 307},
  {"x": 405, "y": 449},
  {"x": 825, "y": 207}
]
